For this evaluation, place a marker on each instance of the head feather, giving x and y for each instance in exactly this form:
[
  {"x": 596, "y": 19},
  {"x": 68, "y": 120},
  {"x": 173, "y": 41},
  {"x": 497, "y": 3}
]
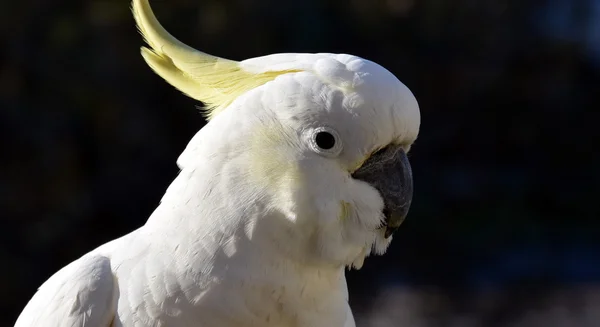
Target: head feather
[{"x": 215, "y": 81}]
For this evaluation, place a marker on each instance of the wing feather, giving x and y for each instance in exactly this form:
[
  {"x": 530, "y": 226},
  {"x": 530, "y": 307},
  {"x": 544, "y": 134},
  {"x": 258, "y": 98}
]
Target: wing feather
[{"x": 82, "y": 294}]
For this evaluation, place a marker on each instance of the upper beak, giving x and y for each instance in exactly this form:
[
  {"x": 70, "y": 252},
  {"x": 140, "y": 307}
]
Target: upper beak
[{"x": 388, "y": 171}]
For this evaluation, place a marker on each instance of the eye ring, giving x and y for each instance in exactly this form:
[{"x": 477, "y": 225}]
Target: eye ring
[{"x": 325, "y": 140}]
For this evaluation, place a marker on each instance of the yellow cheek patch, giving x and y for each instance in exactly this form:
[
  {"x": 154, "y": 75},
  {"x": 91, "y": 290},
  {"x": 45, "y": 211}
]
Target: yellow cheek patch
[
  {"x": 345, "y": 209},
  {"x": 271, "y": 160}
]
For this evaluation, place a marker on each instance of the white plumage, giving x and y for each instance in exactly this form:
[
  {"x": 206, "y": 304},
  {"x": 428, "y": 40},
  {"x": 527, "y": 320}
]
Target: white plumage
[{"x": 257, "y": 228}]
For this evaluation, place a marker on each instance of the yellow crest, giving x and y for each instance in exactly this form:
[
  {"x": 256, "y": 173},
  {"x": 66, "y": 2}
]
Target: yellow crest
[{"x": 215, "y": 81}]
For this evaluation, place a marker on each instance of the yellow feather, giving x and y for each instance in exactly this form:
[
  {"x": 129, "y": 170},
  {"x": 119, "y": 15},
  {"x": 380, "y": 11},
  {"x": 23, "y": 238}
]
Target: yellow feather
[
  {"x": 345, "y": 208},
  {"x": 215, "y": 81}
]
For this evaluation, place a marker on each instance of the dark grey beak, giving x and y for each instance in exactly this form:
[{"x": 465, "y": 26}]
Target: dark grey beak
[{"x": 388, "y": 171}]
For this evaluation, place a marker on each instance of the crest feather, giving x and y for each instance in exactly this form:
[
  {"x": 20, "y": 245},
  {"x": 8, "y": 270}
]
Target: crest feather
[{"x": 215, "y": 81}]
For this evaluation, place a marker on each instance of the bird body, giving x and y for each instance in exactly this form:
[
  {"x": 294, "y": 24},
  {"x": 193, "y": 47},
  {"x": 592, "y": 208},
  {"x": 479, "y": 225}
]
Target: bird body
[{"x": 300, "y": 172}]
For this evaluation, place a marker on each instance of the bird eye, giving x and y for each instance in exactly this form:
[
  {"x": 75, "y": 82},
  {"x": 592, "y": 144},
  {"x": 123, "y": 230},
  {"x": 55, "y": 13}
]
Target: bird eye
[{"x": 325, "y": 141}]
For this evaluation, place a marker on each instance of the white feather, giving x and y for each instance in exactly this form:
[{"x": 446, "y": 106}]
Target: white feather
[
  {"x": 81, "y": 294},
  {"x": 257, "y": 228}
]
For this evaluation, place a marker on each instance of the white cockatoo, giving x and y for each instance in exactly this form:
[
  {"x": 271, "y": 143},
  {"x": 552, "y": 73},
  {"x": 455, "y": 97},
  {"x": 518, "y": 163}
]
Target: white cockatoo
[{"x": 300, "y": 172}]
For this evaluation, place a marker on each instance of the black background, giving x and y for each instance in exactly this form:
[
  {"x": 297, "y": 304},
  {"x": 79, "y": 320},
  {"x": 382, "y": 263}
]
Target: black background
[{"x": 504, "y": 226}]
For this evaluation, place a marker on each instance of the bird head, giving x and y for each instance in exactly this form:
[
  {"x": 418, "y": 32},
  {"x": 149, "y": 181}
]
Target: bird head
[{"x": 316, "y": 142}]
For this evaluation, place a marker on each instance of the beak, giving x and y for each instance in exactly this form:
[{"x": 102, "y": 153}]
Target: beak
[{"x": 388, "y": 171}]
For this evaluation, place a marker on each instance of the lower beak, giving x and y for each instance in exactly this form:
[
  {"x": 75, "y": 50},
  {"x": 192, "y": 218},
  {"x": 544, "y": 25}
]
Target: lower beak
[{"x": 388, "y": 171}]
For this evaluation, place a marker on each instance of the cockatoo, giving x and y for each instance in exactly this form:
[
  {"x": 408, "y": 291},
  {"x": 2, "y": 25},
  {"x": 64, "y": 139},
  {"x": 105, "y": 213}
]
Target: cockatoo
[{"x": 300, "y": 172}]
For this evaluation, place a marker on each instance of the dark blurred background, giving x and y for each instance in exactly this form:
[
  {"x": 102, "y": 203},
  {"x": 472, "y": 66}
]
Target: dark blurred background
[{"x": 504, "y": 229}]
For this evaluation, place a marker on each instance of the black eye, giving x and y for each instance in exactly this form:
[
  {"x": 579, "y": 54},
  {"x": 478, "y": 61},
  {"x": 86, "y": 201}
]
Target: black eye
[{"x": 325, "y": 140}]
